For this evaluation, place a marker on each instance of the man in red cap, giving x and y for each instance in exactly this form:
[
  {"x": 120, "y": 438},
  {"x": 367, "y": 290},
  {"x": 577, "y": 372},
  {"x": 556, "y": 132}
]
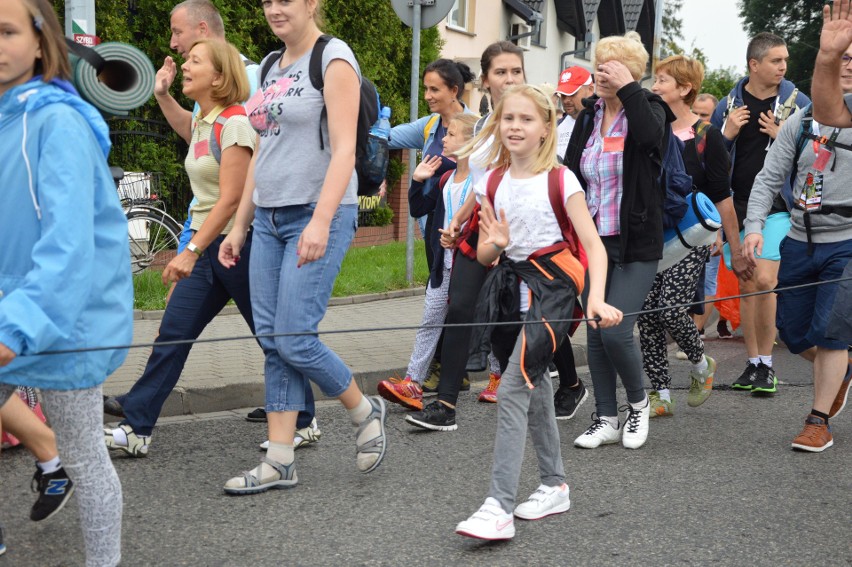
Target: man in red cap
[{"x": 575, "y": 84}]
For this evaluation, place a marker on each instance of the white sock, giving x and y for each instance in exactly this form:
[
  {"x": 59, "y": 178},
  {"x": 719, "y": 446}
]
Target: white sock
[
  {"x": 755, "y": 360},
  {"x": 360, "y": 412},
  {"x": 766, "y": 359},
  {"x": 665, "y": 394},
  {"x": 51, "y": 466},
  {"x": 611, "y": 420},
  {"x": 120, "y": 437},
  {"x": 701, "y": 366},
  {"x": 640, "y": 405},
  {"x": 278, "y": 452}
]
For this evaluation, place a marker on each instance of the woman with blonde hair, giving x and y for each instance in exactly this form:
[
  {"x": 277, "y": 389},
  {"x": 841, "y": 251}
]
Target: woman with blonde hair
[{"x": 616, "y": 152}]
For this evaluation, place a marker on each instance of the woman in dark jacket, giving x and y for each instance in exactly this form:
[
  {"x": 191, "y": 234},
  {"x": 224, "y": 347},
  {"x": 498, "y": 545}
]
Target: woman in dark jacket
[{"x": 616, "y": 152}]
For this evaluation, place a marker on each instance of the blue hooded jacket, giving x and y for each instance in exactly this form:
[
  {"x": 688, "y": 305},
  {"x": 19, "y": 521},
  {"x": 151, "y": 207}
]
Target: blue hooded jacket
[
  {"x": 65, "y": 278},
  {"x": 735, "y": 100}
]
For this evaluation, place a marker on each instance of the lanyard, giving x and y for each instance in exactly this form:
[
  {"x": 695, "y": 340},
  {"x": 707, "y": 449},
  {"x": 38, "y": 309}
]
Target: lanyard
[
  {"x": 450, "y": 182},
  {"x": 830, "y": 140}
]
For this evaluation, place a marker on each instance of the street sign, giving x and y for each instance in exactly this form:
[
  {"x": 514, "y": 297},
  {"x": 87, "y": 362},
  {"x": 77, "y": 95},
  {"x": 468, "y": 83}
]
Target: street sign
[{"x": 431, "y": 11}]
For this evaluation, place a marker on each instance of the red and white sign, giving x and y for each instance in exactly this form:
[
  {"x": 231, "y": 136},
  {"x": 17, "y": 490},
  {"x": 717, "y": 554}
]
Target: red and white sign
[{"x": 86, "y": 39}]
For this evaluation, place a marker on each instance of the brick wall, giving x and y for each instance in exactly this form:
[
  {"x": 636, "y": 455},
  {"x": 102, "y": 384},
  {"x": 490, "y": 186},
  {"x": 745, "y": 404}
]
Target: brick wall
[{"x": 373, "y": 236}]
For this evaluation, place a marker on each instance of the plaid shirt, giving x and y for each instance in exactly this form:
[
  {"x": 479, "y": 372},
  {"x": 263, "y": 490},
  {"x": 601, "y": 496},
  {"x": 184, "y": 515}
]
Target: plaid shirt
[{"x": 604, "y": 173}]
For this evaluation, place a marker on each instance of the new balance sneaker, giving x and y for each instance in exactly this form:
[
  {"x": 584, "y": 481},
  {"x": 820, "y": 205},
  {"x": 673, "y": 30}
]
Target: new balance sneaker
[
  {"x": 722, "y": 330},
  {"x": 435, "y": 417},
  {"x": 659, "y": 406},
  {"x": 599, "y": 433},
  {"x": 765, "y": 381},
  {"x": 702, "y": 384},
  {"x": 842, "y": 394},
  {"x": 636, "y": 426},
  {"x": 489, "y": 394},
  {"x": 257, "y": 415},
  {"x": 303, "y": 437},
  {"x": 132, "y": 444},
  {"x": 815, "y": 437},
  {"x": 746, "y": 379},
  {"x": 53, "y": 490},
  {"x": 406, "y": 393},
  {"x": 566, "y": 402},
  {"x": 546, "y": 500},
  {"x": 490, "y": 522},
  {"x": 430, "y": 384}
]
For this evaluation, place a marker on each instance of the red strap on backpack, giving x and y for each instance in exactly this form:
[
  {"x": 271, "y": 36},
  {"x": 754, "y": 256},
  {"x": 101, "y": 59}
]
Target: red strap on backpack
[
  {"x": 555, "y": 193},
  {"x": 218, "y": 124}
]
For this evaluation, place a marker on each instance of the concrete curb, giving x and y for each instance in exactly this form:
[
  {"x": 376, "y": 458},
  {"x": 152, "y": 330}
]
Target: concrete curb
[
  {"x": 197, "y": 400},
  {"x": 156, "y": 315}
]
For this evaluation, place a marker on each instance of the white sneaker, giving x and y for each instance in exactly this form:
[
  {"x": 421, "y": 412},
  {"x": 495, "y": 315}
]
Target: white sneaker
[
  {"x": 599, "y": 433},
  {"x": 489, "y": 522},
  {"x": 546, "y": 500},
  {"x": 305, "y": 436},
  {"x": 636, "y": 426}
]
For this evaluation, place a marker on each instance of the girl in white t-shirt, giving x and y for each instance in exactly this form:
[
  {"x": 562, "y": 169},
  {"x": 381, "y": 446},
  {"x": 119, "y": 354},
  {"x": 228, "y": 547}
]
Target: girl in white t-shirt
[{"x": 527, "y": 237}]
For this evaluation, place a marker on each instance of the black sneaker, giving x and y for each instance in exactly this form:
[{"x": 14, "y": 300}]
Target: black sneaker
[
  {"x": 112, "y": 407},
  {"x": 746, "y": 379},
  {"x": 765, "y": 381},
  {"x": 723, "y": 331},
  {"x": 567, "y": 401},
  {"x": 258, "y": 415},
  {"x": 435, "y": 416},
  {"x": 53, "y": 489}
]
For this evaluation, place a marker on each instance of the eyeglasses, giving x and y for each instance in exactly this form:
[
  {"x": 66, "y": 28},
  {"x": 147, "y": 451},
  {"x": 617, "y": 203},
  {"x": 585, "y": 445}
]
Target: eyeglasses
[{"x": 845, "y": 59}]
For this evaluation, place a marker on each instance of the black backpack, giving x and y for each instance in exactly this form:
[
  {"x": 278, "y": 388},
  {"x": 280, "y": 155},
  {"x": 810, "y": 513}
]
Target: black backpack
[{"x": 368, "y": 114}]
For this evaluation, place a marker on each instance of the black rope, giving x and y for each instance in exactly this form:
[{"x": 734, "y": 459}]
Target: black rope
[{"x": 415, "y": 327}]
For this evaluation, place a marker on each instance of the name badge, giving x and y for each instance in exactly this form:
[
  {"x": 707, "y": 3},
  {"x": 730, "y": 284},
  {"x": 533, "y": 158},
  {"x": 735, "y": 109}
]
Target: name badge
[
  {"x": 822, "y": 159},
  {"x": 613, "y": 144},
  {"x": 202, "y": 148}
]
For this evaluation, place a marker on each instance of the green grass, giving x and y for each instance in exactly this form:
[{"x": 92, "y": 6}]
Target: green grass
[{"x": 365, "y": 270}]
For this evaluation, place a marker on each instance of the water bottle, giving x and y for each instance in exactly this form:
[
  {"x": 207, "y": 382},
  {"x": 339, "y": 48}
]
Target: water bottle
[
  {"x": 692, "y": 230},
  {"x": 377, "y": 157}
]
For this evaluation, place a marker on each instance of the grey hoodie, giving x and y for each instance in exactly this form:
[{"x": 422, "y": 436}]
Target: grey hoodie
[{"x": 836, "y": 190}]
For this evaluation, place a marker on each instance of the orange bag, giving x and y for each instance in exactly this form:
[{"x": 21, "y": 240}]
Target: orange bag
[{"x": 728, "y": 286}]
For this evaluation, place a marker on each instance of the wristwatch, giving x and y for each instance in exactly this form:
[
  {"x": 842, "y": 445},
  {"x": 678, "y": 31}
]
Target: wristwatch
[{"x": 194, "y": 249}]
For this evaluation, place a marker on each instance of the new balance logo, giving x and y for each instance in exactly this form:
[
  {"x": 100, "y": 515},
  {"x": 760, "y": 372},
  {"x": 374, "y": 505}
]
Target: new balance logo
[{"x": 56, "y": 487}]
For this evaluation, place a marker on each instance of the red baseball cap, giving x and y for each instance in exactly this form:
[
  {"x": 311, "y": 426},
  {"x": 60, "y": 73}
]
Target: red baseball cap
[{"x": 571, "y": 79}]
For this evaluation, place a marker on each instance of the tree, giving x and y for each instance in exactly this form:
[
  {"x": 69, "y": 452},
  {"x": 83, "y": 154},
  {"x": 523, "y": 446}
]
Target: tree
[
  {"x": 719, "y": 82},
  {"x": 798, "y": 22}
]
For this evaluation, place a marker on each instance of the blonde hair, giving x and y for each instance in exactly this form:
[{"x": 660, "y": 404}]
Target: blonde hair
[
  {"x": 626, "y": 48},
  {"x": 53, "y": 62},
  {"x": 498, "y": 155},
  {"x": 686, "y": 71},
  {"x": 226, "y": 61}
]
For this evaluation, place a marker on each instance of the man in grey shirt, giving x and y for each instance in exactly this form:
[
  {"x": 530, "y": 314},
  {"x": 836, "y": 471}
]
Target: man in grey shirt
[{"x": 817, "y": 249}]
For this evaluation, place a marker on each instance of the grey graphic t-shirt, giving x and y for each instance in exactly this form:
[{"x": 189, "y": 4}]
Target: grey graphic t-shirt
[{"x": 291, "y": 167}]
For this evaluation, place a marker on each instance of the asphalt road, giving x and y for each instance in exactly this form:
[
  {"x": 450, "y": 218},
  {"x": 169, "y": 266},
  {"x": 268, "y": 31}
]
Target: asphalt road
[{"x": 713, "y": 485}]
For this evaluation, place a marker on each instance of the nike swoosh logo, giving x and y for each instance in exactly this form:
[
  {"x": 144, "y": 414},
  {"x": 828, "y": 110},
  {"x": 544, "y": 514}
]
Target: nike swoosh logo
[{"x": 503, "y": 525}]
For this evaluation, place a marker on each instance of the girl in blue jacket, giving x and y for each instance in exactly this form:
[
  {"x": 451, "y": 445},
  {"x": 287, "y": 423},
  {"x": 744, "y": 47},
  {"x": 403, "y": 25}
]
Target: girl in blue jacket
[{"x": 65, "y": 284}]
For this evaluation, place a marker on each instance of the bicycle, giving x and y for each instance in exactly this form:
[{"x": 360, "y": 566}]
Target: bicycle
[{"x": 153, "y": 234}]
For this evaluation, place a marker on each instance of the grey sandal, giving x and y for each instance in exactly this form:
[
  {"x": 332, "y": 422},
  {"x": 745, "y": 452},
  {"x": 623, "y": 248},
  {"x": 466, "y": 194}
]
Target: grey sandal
[
  {"x": 378, "y": 444},
  {"x": 287, "y": 478}
]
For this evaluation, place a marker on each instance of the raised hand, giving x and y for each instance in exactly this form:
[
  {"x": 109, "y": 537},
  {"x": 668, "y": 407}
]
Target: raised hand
[
  {"x": 165, "y": 77},
  {"x": 836, "y": 34},
  {"x": 426, "y": 168}
]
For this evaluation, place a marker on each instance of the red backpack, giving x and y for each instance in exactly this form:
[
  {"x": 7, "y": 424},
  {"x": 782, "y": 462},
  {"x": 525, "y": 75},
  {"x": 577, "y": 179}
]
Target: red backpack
[{"x": 556, "y": 192}]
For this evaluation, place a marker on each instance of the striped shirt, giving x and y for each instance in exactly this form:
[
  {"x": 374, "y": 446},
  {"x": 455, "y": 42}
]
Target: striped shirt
[{"x": 604, "y": 173}]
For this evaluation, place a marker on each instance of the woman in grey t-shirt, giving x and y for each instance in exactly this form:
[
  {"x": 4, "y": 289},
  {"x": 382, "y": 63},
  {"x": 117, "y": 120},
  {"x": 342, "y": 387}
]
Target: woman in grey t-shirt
[{"x": 305, "y": 213}]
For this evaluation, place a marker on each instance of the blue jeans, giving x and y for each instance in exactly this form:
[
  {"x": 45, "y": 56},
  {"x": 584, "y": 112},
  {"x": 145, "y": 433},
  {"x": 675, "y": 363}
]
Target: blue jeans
[
  {"x": 802, "y": 314},
  {"x": 194, "y": 303},
  {"x": 287, "y": 299}
]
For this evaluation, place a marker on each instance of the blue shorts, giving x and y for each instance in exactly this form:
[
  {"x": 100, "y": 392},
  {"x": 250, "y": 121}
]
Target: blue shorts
[
  {"x": 776, "y": 228},
  {"x": 802, "y": 314},
  {"x": 711, "y": 276}
]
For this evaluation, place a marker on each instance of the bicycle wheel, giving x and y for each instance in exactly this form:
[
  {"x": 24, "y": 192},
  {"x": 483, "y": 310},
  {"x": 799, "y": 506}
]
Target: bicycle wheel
[{"x": 153, "y": 237}]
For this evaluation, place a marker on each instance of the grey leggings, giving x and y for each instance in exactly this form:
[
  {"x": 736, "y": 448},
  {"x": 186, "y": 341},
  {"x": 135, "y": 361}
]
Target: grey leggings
[
  {"x": 76, "y": 417},
  {"x": 613, "y": 351}
]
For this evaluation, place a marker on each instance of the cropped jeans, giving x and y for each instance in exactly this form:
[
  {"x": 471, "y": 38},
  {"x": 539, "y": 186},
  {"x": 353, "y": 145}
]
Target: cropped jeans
[{"x": 287, "y": 299}]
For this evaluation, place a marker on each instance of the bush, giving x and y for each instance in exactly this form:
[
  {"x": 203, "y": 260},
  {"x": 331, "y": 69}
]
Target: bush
[{"x": 380, "y": 216}]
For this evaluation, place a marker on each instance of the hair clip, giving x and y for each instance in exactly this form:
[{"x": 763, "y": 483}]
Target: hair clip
[{"x": 38, "y": 22}]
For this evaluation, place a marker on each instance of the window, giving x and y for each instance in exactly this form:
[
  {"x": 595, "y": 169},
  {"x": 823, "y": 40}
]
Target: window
[
  {"x": 459, "y": 14},
  {"x": 538, "y": 37}
]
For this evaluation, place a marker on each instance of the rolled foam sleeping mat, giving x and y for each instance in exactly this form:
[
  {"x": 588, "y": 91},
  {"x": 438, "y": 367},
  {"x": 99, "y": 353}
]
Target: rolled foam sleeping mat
[{"x": 125, "y": 82}]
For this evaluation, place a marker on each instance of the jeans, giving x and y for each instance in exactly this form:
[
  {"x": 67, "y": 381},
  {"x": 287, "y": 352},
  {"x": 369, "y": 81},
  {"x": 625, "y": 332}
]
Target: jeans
[
  {"x": 287, "y": 299},
  {"x": 194, "y": 303}
]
